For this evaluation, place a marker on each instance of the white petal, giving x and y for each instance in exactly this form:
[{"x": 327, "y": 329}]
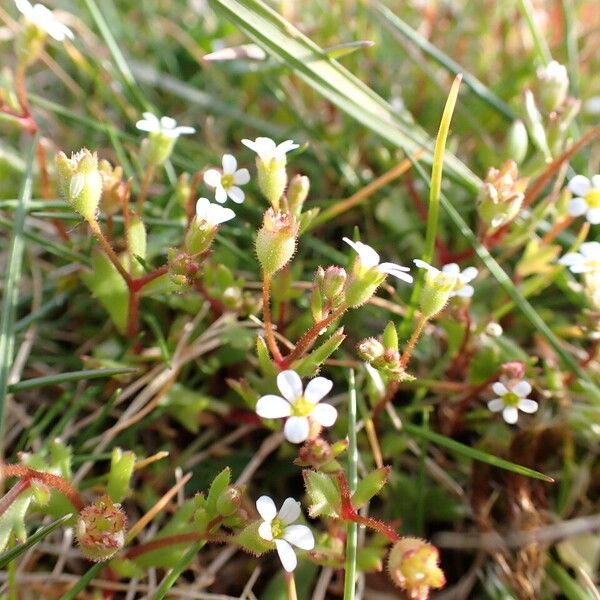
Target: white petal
[
  {"x": 287, "y": 556},
  {"x": 236, "y": 194},
  {"x": 241, "y": 177},
  {"x": 299, "y": 535},
  {"x": 572, "y": 258},
  {"x": 579, "y": 185},
  {"x": 581, "y": 267},
  {"x": 317, "y": 389},
  {"x": 395, "y": 271},
  {"x": 466, "y": 291},
  {"x": 324, "y": 414},
  {"x": 184, "y": 130},
  {"x": 423, "y": 265},
  {"x": 286, "y": 147},
  {"x": 528, "y": 406},
  {"x": 593, "y": 216},
  {"x": 590, "y": 249},
  {"x": 577, "y": 207},
  {"x": 266, "y": 508},
  {"x": 212, "y": 177},
  {"x": 451, "y": 268},
  {"x": 368, "y": 257},
  {"x": 469, "y": 274},
  {"x": 523, "y": 388},
  {"x": 496, "y": 405},
  {"x": 147, "y": 125},
  {"x": 499, "y": 388},
  {"x": 388, "y": 267},
  {"x": 289, "y": 511},
  {"x": 296, "y": 430},
  {"x": 24, "y": 7},
  {"x": 220, "y": 194},
  {"x": 265, "y": 531},
  {"x": 202, "y": 209},
  {"x": 273, "y": 407},
  {"x": 596, "y": 182},
  {"x": 289, "y": 384},
  {"x": 76, "y": 185},
  {"x": 168, "y": 123},
  {"x": 510, "y": 414},
  {"x": 229, "y": 164},
  {"x": 219, "y": 214},
  {"x": 263, "y": 146}
]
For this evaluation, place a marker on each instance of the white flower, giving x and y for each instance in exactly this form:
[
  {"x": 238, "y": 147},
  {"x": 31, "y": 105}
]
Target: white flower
[
  {"x": 165, "y": 126},
  {"x": 227, "y": 183},
  {"x": 584, "y": 261},
  {"x": 213, "y": 214},
  {"x": 462, "y": 287},
  {"x": 446, "y": 278},
  {"x": 512, "y": 400},
  {"x": 44, "y": 19},
  {"x": 587, "y": 198},
  {"x": 277, "y": 527},
  {"x": 267, "y": 149},
  {"x": 298, "y": 405},
  {"x": 369, "y": 259}
]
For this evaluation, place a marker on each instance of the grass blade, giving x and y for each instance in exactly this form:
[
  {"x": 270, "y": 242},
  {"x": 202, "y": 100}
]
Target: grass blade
[
  {"x": 11, "y": 285},
  {"x": 400, "y": 27},
  {"x": 84, "y": 581},
  {"x": 485, "y": 457},
  {"x": 30, "y": 384},
  {"x": 288, "y": 45},
  {"x": 168, "y": 582},
  {"x": 38, "y": 536}
]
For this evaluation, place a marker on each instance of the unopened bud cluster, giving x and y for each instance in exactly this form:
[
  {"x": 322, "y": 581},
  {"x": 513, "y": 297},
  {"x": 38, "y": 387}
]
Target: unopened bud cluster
[
  {"x": 328, "y": 291},
  {"x": 413, "y": 566},
  {"x": 502, "y": 195},
  {"x": 101, "y": 529}
]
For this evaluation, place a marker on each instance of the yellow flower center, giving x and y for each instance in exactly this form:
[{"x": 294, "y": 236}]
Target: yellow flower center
[
  {"x": 592, "y": 198},
  {"x": 302, "y": 407},
  {"x": 227, "y": 181},
  {"x": 511, "y": 399},
  {"x": 277, "y": 528}
]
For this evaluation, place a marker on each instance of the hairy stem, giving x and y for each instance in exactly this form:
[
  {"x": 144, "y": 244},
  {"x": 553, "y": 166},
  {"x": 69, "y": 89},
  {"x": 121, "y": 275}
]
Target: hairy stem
[
  {"x": 412, "y": 342},
  {"x": 267, "y": 320},
  {"x": 12, "y": 494}
]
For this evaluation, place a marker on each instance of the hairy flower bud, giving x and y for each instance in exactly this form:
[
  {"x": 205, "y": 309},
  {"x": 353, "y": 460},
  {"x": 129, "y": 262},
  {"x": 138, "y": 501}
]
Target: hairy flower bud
[
  {"x": 413, "y": 567},
  {"x": 80, "y": 182},
  {"x": 272, "y": 178},
  {"x": 29, "y": 42},
  {"x": 101, "y": 529},
  {"x": 333, "y": 282},
  {"x": 229, "y": 501},
  {"x": 157, "y": 148},
  {"x": 516, "y": 141},
  {"x": 276, "y": 240},
  {"x": 297, "y": 193},
  {"x": 502, "y": 194},
  {"x": 370, "y": 349},
  {"x": 553, "y": 82}
]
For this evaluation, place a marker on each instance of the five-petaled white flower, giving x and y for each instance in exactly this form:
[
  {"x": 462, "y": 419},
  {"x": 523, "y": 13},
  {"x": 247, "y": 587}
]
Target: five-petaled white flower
[
  {"x": 267, "y": 149},
  {"x": 446, "y": 278},
  {"x": 461, "y": 287},
  {"x": 213, "y": 214},
  {"x": 369, "y": 259},
  {"x": 227, "y": 182},
  {"x": 587, "y": 198},
  {"x": 584, "y": 261},
  {"x": 44, "y": 19},
  {"x": 298, "y": 405},
  {"x": 277, "y": 527},
  {"x": 511, "y": 400},
  {"x": 166, "y": 126}
]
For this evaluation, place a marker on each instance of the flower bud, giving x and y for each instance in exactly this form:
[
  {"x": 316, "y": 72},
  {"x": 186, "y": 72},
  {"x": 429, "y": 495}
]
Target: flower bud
[
  {"x": 501, "y": 196},
  {"x": 276, "y": 240},
  {"x": 333, "y": 282},
  {"x": 413, "y": 567},
  {"x": 370, "y": 349},
  {"x": 553, "y": 82},
  {"x": 136, "y": 243},
  {"x": 183, "y": 189},
  {"x": 80, "y": 182},
  {"x": 390, "y": 337},
  {"x": 157, "y": 148},
  {"x": 272, "y": 178},
  {"x": 101, "y": 529},
  {"x": 199, "y": 236},
  {"x": 229, "y": 501},
  {"x": 436, "y": 292},
  {"x": 516, "y": 141},
  {"x": 535, "y": 124},
  {"x": 297, "y": 193},
  {"x": 114, "y": 188},
  {"x": 29, "y": 42}
]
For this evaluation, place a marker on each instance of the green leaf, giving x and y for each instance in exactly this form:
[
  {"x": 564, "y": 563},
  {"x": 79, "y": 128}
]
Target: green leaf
[
  {"x": 38, "y": 536},
  {"x": 311, "y": 363},
  {"x": 218, "y": 486},
  {"x": 87, "y": 374},
  {"x": 370, "y": 486},
  {"x": 288, "y": 45},
  {"x": 250, "y": 540},
  {"x": 473, "y": 453},
  {"x": 12, "y": 521},
  {"x": 11, "y": 283},
  {"x": 119, "y": 476},
  {"x": 264, "y": 358},
  {"x": 323, "y": 493}
]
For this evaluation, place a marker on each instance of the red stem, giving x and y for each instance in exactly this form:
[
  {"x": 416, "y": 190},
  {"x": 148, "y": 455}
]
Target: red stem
[
  {"x": 12, "y": 494},
  {"x": 267, "y": 320}
]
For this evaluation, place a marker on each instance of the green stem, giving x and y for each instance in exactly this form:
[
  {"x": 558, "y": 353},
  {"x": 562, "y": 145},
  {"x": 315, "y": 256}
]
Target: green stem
[
  {"x": 351, "y": 527},
  {"x": 171, "y": 578},
  {"x": 539, "y": 42}
]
